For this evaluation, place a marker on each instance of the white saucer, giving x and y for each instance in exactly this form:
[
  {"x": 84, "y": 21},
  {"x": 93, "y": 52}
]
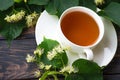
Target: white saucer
[{"x": 103, "y": 52}]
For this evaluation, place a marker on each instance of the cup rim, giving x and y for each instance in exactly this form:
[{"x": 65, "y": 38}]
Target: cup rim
[{"x": 94, "y": 15}]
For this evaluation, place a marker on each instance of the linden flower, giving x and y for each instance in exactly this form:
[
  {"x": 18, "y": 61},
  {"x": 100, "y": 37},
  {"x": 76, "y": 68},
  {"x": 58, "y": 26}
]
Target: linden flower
[
  {"x": 68, "y": 69},
  {"x": 41, "y": 65},
  {"x": 97, "y": 2},
  {"x": 66, "y": 47},
  {"x": 47, "y": 67},
  {"x": 37, "y": 73},
  {"x": 30, "y": 58},
  {"x": 31, "y": 19},
  {"x": 51, "y": 54},
  {"x": 39, "y": 51},
  {"x": 15, "y": 17},
  {"x": 25, "y": 1},
  {"x": 59, "y": 49}
]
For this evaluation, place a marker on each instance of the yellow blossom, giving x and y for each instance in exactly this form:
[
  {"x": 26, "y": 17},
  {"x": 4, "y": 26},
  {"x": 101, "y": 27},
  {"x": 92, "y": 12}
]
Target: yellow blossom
[
  {"x": 30, "y": 58},
  {"x": 47, "y": 67},
  {"x": 31, "y": 19},
  {"x": 37, "y": 73},
  {"x": 39, "y": 52},
  {"x": 25, "y": 1},
  {"x": 41, "y": 65},
  {"x": 51, "y": 54},
  {"x": 15, "y": 17},
  {"x": 59, "y": 49},
  {"x": 97, "y": 2},
  {"x": 68, "y": 69}
]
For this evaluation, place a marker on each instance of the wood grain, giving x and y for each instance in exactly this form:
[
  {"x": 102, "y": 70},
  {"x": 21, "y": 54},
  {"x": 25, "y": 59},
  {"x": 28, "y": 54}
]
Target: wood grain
[
  {"x": 12, "y": 60},
  {"x": 112, "y": 77}
]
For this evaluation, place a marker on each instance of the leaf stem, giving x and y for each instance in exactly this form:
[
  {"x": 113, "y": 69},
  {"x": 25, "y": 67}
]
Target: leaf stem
[
  {"x": 55, "y": 77},
  {"x": 48, "y": 73},
  {"x": 62, "y": 61},
  {"x": 13, "y": 10}
]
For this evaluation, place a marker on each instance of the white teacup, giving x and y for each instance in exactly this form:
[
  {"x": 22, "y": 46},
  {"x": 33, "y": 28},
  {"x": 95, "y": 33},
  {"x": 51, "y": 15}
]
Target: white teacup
[{"x": 81, "y": 29}]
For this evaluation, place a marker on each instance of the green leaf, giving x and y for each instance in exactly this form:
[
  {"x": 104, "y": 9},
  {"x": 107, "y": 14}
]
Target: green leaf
[
  {"x": 116, "y": 1},
  {"x": 48, "y": 44},
  {"x": 64, "y": 4},
  {"x": 88, "y": 3},
  {"x": 88, "y": 70},
  {"x": 60, "y": 5},
  {"x": 11, "y": 31},
  {"x": 5, "y": 4},
  {"x": 36, "y": 8},
  {"x": 38, "y": 2},
  {"x": 112, "y": 12},
  {"x": 59, "y": 60},
  {"x": 51, "y": 8},
  {"x": 86, "y": 66}
]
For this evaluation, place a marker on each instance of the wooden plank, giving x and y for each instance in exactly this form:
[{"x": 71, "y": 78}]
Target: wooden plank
[
  {"x": 112, "y": 77},
  {"x": 118, "y": 48},
  {"x": 12, "y": 60},
  {"x": 113, "y": 67},
  {"x": 28, "y": 33}
]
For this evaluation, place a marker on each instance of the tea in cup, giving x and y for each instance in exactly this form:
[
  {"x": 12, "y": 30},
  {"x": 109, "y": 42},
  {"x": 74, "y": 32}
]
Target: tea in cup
[{"x": 81, "y": 29}]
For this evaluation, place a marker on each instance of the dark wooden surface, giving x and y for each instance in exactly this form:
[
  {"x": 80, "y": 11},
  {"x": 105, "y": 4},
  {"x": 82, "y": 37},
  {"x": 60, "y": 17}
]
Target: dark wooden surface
[{"x": 13, "y": 65}]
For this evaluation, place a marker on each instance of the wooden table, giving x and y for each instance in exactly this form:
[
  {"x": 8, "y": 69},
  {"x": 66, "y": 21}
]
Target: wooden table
[{"x": 13, "y": 65}]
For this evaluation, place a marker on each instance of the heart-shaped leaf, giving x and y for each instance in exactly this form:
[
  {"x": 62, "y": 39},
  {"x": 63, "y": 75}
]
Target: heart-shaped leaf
[
  {"x": 5, "y": 4},
  {"x": 88, "y": 70},
  {"x": 86, "y": 66},
  {"x": 111, "y": 12},
  {"x": 59, "y": 6},
  {"x": 51, "y": 7},
  {"x": 11, "y": 31}
]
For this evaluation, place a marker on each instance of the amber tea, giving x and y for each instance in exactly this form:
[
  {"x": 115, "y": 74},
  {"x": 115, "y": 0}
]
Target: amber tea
[{"x": 80, "y": 28}]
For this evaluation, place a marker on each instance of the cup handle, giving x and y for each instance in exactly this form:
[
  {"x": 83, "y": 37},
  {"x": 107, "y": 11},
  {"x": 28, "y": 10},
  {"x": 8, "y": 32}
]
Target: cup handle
[{"x": 89, "y": 53}]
